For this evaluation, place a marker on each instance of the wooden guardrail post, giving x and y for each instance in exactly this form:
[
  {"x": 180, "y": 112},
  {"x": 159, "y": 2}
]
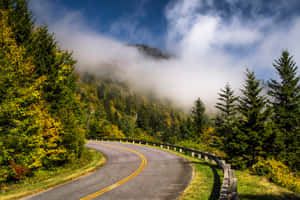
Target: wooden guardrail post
[
  {"x": 222, "y": 163},
  {"x": 199, "y": 156},
  {"x": 205, "y": 157},
  {"x": 213, "y": 161},
  {"x": 234, "y": 192}
]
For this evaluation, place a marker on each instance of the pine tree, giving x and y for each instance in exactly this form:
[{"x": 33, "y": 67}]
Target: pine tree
[
  {"x": 19, "y": 19},
  {"x": 227, "y": 105},
  {"x": 250, "y": 132},
  {"x": 143, "y": 118},
  {"x": 285, "y": 97},
  {"x": 198, "y": 116},
  {"x": 186, "y": 129}
]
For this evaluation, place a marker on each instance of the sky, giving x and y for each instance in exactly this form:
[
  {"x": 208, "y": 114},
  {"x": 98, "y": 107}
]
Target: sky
[{"x": 214, "y": 40}]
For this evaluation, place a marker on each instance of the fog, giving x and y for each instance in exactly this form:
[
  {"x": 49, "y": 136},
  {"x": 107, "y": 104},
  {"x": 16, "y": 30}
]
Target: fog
[{"x": 206, "y": 48}]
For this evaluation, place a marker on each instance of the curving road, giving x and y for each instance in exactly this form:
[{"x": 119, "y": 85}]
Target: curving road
[{"x": 131, "y": 172}]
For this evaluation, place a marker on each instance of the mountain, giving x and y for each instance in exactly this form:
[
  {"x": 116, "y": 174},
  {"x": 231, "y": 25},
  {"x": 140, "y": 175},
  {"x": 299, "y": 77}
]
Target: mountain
[{"x": 152, "y": 52}]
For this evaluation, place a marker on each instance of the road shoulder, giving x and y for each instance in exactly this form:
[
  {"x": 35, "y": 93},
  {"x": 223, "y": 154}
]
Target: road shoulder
[{"x": 34, "y": 186}]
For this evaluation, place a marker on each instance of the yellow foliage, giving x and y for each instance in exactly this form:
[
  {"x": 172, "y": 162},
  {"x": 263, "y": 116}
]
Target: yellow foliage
[
  {"x": 277, "y": 172},
  {"x": 112, "y": 131},
  {"x": 34, "y": 126},
  {"x": 168, "y": 119}
]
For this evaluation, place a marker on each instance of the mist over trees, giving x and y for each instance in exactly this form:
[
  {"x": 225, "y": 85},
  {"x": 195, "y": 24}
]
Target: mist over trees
[{"x": 47, "y": 109}]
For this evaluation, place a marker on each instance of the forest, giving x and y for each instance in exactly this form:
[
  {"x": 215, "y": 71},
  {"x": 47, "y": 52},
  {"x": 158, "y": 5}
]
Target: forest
[{"x": 48, "y": 109}]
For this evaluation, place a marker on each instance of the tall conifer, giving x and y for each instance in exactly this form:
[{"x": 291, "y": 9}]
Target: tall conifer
[
  {"x": 285, "y": 97},
  {"x": 228, "y": 108},
  {"x": 198, "y": 116},
  {"x": 226, "y": 104},
  {"x": 250, "y": 132}
]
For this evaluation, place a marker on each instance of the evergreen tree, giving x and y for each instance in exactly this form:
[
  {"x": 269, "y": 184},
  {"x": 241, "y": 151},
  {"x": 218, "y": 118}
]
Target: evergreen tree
[
  {"x": 285, "y": 97},
  {"x": 224, "y": 121},
  {"x": 38, "y": 91},
  {"x": 250, "y": 132},
  {"x": 143, "y": 118},
  {"x": 29, "y": 136},
  {"x": 198, "y": 116},
  {"x": 227, "y": 105},
  {"x": 186, "y": 129},
  {"x": 19, "y": 19}
]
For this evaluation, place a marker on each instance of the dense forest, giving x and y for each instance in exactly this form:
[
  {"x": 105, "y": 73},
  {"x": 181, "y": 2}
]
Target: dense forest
[
  {"x": 47, "y": 109},
  {"x": 113, "y": 110},
  {"x": 40, "y": 125}
]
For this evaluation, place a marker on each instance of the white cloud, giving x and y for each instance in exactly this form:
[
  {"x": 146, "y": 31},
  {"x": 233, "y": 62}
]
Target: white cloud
[{"x": 201, "y": 40}]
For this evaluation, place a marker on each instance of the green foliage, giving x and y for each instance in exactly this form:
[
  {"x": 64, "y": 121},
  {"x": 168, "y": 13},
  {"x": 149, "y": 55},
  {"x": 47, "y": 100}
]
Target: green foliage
[
  {"x": 19, "y": 20},
  {"x": 137, "y": 115},
  {"x": 245, "y": 141},
  {"x": 186, "y": 129},
  {"x": 207, "y": 142},
  {"x": 20, "y": 107},
  {"x": 277, "y": 172},
  {"x": 285, "y": 94},
  {"x": 198, "y": 116},
  {"x": 259, "y": 129},
  {"x": 39, "y": 119},
  {"x": 47, "y": 178},
  {"x": 226, "y": 104},
  {"x": 227, "y": 115}
]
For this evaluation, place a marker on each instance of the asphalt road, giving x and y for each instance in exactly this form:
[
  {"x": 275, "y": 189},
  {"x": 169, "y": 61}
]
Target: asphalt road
[{"x": 131, "y": 172}]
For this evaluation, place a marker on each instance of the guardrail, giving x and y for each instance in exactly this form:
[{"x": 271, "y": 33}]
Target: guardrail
[{"x": 229, "y": 185}]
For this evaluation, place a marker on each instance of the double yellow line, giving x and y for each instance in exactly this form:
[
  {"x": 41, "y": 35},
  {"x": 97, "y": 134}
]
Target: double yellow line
[{"x": 135, "y": 173}]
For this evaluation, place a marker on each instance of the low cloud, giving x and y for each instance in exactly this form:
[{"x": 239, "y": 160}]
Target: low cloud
[{"x": 210, "y": 50}]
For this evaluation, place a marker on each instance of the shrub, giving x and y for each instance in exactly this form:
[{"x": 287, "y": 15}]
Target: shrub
[
  {"x": 19, "y": 170},
  {"x": 278, "y": 173}
]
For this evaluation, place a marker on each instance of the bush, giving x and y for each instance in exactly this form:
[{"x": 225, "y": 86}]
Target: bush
[{"x": 278, "y": 173}]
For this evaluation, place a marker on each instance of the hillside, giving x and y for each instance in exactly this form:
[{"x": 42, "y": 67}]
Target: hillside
[{"x": 113, "y": 109}]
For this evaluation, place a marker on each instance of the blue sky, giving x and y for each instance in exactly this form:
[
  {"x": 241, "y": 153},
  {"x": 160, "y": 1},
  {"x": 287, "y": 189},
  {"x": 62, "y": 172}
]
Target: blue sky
[
  {"x": 146, "y": 18},
  {"x": 122, "y": 19},
  {"x": 214, "y": 40}
]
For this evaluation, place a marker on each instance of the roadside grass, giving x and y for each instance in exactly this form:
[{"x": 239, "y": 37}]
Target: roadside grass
[
  {"x": 207, "y": 180},
  {"x": 46, "y": 179},
  {"x": 253, "y": 187}
]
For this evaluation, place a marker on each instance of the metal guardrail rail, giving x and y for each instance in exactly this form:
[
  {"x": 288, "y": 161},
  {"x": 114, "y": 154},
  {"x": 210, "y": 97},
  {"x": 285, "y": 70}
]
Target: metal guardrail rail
[{"x": 229, "y": 186}]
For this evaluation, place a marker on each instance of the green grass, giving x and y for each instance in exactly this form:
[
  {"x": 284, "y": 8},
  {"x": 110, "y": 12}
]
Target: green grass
[
  {"x": 205, "y": 184},
  {"x": 45, "y": 179},
  {"x": 253, "y": 187}
]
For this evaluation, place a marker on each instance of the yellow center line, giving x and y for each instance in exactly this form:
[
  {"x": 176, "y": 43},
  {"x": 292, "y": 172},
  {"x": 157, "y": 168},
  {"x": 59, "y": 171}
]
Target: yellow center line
[{"x": 135, "y": 173}]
